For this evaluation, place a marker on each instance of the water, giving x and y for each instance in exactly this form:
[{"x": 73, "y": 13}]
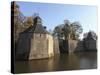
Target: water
[{"x": 62, "y": 62}]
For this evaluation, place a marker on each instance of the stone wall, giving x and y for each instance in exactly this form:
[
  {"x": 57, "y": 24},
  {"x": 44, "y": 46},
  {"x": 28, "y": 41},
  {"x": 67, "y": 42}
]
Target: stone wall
[
  {"x": 50, "y": 45},
  {"x": 39, "y": 46},
  {"x": 34, "y": 46},
  {"x": 75, "y": 46},
  {"x": 72, "y": 45},
  {"x": 56, "y": 45},
  {"x": 90, "y": 45},
  {"x": 80, "y": 46},
  {"x": 22, "y": 47}
]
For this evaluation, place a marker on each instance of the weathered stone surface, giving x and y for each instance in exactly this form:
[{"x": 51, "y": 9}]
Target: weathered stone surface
[
  {"x": 72, "y": 45},
  {"x": 50, "y": 45},
  {"x": 41, "y": 46},
  {"x": 90, "y": 45},
  {"x": 56, "y": 45},
  {"x": 90, "y": 41},
  {"x": 35, "y": 42},
  {"x": 37, "y": 47},
  {"x": 75, "y": 45},
  {"x": 80, "y": 46}
]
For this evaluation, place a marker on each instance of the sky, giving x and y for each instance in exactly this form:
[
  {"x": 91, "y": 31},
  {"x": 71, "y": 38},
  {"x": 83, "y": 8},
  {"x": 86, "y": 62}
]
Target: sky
[{"x": 55, "y": 14}]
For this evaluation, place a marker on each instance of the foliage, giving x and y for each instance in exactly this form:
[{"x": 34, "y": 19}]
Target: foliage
[
  {"x": 28, "y": 22},
  {"x": 18, "y": 20},
  {"x": 58, "y": 31},
  {"x": 68, "y": 30},
  {"x": 89, "y": 35}
]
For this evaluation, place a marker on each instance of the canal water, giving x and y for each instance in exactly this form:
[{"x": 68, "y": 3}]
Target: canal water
[{"x": 62, "y": 62}]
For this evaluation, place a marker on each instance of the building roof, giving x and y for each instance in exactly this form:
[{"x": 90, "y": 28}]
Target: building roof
[
  {"x": 37, "y": 28},
  {"x": 91, "y": 35}
]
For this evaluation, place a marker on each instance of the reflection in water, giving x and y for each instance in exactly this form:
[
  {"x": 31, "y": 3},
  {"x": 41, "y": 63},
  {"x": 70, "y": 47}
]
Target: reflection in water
[{"x": 74, "y": 61}]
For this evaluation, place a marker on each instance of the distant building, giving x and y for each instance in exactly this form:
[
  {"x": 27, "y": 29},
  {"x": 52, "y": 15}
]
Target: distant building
[
  {"x": 35, "y": 42},
  {"x": 90, "y": 41}
]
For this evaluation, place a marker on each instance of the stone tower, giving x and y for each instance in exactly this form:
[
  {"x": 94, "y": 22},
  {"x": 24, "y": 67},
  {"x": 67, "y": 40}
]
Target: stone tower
[{"x": 35, "y": 42}]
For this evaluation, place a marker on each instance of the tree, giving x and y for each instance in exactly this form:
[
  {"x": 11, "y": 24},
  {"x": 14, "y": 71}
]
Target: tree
[
  {"x": 76, "y": 30},
  {"x": 89, "y": 35},
  {"x": 28, "y": 22},
  {"x": 18, "y": 18},
  {"x": 58, "y": 31},
  {"x": 72, "y": 30},
  {"x": 68, "y": 30}
]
